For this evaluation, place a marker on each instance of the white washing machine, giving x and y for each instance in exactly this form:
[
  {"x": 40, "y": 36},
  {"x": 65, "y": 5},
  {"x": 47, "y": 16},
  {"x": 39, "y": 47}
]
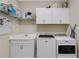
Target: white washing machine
[
  {"x": 22, "y": 46},
  {"x": 46, "y": 46},
  {"x": 66, "y": 47}
]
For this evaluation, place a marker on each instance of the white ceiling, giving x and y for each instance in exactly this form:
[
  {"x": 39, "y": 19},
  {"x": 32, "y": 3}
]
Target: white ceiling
[{"x": 41, "y": 0}]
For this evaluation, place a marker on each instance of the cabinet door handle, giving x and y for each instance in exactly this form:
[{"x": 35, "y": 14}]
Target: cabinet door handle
[
  {"x": 21, "y": 47},
  {"x": 44, "y": 21},
  {"x": 46, "y": 41},
  {"x": 60, "y": 21}
]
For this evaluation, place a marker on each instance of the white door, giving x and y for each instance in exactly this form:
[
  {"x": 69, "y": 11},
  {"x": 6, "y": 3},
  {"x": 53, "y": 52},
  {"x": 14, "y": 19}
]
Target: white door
[
  {"x": 46, "y": 48},
  {"x": 60, "y": 15},
  {"x": 16, "y": 51},
  {"x": 28, "y": 50},
  {"x": 55, "y": 16},
  {"x": 64, "y": 16},
  {"x": 47, "y": 15},
  {"x": 43, "y": 16},
  {"x": 40, "y": 16}
]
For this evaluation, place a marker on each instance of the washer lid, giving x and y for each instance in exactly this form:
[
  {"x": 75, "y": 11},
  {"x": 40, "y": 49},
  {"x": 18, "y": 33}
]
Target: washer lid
[{"x": 46, "y": 36}]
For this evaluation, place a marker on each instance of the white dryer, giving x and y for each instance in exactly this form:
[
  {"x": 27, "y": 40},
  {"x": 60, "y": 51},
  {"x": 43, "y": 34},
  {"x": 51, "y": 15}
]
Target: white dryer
[{"x": 66, "y": 47}]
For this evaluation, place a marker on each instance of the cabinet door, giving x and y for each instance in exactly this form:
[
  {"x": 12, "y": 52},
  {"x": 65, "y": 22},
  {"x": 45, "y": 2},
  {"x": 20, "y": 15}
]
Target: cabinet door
[
  {"x": 64, "y": 16},
  {"x": 46, "y": 48},
  {"x": 28, "y": 50},
  {"x": 40, "y": 16},
  {"x": 16, "y": 51},
  {"x": 55, "y": 16},
  {"x": 43, "y": 16},
  {"x": 47, "y": 16},
  {"x": 60, "y": 15}
]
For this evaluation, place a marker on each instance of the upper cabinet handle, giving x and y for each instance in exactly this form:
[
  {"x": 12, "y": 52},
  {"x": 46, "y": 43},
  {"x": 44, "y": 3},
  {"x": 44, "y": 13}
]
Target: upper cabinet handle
[
  {"x": 44, "y": 21},
  {"x": 21, "y": 47},
  {"x": 60, "y": 21},
  {"x": 46, "y": 41}
]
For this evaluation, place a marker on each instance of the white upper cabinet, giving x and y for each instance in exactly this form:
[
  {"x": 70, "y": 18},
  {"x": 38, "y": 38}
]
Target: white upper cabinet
[
  {"x": 43, "y": 17},
  {"x": 41, "y": 0},
  {"x": 52, "y": 16},
  {"x": 65, "y": 16}
]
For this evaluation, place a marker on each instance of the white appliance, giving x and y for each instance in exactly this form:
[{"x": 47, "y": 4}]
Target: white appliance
[
  {"x": 22, "y": 46},
  {"x": 66, "y": 47},
  {"x": 46, "y": 46}
]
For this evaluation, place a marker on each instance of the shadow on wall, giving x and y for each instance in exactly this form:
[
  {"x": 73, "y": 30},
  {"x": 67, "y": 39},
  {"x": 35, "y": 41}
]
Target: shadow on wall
[
  {"x": 32, "y": 5},
  {"x": 52, "y": 28}
]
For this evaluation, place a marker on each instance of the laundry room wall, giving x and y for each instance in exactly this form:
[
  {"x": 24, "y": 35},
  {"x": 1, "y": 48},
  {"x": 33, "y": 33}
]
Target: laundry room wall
[
  {"x": 4, "y": 38},
  {"x": 4, "y": 1},
  {"x": 30, "y": 6},
  {"x": 74, "y": 18},
  {"x": 14, "y": 2},
  {"x": 30, "y": 26}
]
